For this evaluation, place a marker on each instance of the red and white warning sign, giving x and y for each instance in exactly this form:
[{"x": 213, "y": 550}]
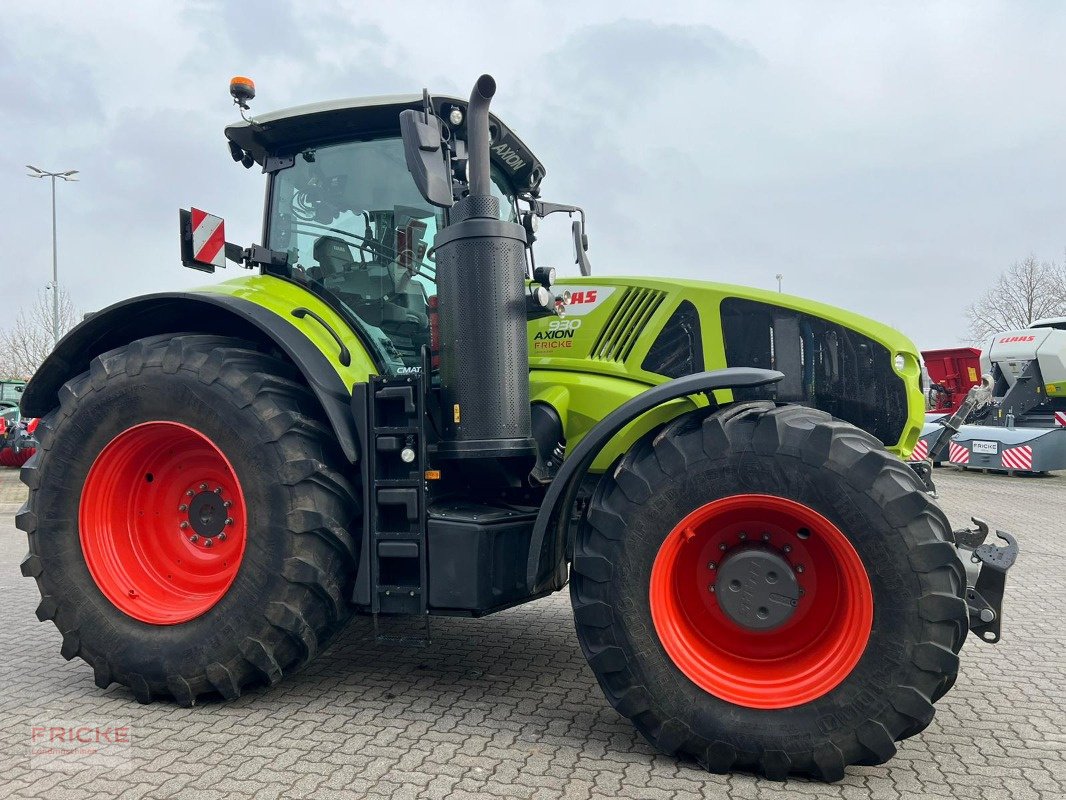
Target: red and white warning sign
[
  {"x": 958, "y": 454},
  {"x": 1018, "y": 457},
  {"x": 1060, "y": 418},
  {"x": 208, "y": 238},
  {"x": 920, "y": 452}
]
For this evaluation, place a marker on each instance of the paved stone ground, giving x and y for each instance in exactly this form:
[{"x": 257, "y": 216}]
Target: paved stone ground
[{"x": 506, "y": 707}]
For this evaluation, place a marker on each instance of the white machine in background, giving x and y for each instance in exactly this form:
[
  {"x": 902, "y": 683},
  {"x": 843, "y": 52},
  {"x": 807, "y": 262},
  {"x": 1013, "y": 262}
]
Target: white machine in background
[{"x": 1017, "y": 418}]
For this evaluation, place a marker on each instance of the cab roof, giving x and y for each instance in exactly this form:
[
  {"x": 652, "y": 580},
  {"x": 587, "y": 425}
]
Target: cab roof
[{"x": 288, "y": 131}]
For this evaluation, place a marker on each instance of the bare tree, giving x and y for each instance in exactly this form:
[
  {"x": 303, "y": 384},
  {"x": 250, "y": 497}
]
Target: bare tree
[
  {"x": 1028, "y": 290},
  {"x": 27, "y": 342},
  {"x": 1058, "y": 282}
]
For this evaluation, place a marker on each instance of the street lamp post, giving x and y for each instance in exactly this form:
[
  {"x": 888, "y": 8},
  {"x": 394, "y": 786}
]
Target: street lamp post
[{"x": 68, "y": 175}]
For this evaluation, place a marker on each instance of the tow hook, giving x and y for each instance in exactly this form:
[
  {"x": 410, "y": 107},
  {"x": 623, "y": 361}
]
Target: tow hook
[{"x": 984, "y": 596}]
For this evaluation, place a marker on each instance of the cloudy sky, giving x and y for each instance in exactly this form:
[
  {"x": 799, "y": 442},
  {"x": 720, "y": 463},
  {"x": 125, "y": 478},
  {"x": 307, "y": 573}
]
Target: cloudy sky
[{"x": 889, "y": 158}]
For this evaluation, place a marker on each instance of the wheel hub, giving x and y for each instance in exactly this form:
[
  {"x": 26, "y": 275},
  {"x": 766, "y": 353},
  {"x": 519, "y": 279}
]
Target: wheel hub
[
  {"x": 207, "y": 513},
  {"x": 757, "y": 588}
]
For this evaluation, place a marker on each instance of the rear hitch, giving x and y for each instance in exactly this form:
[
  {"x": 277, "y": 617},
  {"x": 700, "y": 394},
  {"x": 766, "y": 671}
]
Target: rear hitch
[{"x": 984, "y": 596}]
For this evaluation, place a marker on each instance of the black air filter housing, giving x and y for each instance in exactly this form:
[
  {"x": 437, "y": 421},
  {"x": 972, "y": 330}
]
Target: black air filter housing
[{"x": 481, "y": 270}]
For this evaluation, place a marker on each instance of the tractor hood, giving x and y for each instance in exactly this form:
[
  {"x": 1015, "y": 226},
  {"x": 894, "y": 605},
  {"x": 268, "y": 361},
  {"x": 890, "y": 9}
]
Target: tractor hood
[
  {"x": 288, "y": 131},
  {"x": 653, "y": 330}
]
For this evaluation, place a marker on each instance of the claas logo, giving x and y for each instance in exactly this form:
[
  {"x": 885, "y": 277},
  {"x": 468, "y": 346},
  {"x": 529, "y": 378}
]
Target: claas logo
[
  {"x": 577, "y": 298},
  {"x": 1011, "y": 339}
]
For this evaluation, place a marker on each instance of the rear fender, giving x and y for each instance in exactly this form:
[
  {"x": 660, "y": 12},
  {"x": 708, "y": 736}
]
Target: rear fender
[{"x": 303, "y": 341}]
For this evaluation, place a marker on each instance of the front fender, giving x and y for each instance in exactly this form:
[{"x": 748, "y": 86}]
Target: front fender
[
  {"x": 241, "y": 308},
  {"x": 546, "y": 552}
]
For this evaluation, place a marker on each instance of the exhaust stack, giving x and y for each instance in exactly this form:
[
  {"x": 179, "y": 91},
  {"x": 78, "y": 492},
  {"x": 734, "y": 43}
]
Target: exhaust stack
[
  {"x": 481, "y": 271},
  {"x": 477, "y": 136}
]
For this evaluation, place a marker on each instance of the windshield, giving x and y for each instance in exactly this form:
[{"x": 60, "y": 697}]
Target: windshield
[{"x": 354, "y": 224}]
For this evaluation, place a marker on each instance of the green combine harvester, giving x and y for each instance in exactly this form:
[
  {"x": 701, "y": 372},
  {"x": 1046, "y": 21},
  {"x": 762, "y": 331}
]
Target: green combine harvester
[{"x": 401, "y": 413}]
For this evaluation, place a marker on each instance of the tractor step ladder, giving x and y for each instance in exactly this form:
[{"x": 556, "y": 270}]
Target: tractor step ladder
[{"x": 396, "y": 509}]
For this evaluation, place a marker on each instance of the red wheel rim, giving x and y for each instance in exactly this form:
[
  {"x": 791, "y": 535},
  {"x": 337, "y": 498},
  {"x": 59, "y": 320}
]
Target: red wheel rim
[
  {"x": 803, "y": 658},
  {"x": 162, "y": 523}
]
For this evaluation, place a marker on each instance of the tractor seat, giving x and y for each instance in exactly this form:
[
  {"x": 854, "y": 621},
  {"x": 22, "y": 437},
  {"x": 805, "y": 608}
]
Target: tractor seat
[
  {"x": 367, "y": 280},
  {"x": 333, "y": 255}
]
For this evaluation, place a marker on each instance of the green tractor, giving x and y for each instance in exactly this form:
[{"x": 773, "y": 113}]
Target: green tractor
[{"x": 402, "y": 414}]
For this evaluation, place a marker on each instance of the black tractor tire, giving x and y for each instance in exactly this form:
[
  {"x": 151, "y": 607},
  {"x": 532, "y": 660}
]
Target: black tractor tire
[
  {"x": 289, "y": 594},
  {"x": 919, "y": 617}
]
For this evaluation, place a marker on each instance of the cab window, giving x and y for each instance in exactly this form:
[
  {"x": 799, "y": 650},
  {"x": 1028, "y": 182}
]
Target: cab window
[{"x": 354, "y": 224}]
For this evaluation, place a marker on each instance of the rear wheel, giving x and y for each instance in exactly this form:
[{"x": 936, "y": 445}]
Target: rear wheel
[
  {"x": 767, "y": 588},
  {"x": 189, "y": 525}
]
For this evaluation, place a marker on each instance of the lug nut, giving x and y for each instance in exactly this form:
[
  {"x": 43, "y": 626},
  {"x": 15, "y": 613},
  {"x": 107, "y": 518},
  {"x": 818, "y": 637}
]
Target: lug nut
[
  {"x": 743, "y": 535},
  {"x": 218, "y": 490},
  {"x": 183, "y": 507},
  {"x": 226, "y": 503},
  {"x": 723, "y": 547},
  {"x": 208, "y": 542},
  {"x": 787, "y": 548},
  {"x": 203, "y": 487},
  {"x": 189, "y": 493},
  {"x": 799, "y": 568},
  {"x": 712, "y": 565},
  {"x": 766, "y": 537},
  {"x": 710, "y": 588},
  {"x": 194, "y": 538},
  {"x": 222, "y": 536},
  {"x": 229, "y": 520},
  {"x": 184, "y": 525}
]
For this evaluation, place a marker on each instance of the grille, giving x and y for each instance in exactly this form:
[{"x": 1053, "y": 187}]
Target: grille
[
  {"x": 678, "y": 349},
  {"x": 826, "y": 365},
  {"x": 627, "y": 322}
]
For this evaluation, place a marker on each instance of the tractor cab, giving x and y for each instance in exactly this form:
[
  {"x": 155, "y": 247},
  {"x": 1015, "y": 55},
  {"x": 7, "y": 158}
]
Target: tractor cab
[{"x": 344, "y": 209}]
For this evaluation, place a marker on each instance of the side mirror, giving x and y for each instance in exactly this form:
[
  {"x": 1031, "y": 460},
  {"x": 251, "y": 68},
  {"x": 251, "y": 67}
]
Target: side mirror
[
  {"x": 577, "y": 229},
  {"x": 426, "y": 158},
  {"x": 581, "y": 245}
]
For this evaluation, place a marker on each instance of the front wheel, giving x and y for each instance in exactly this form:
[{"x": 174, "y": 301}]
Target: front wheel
[{"x": 766, "y": 588}]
